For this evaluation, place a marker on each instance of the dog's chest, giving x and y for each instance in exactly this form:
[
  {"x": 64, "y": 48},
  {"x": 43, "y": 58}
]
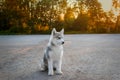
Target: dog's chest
[{"x": 57, "y": 53}]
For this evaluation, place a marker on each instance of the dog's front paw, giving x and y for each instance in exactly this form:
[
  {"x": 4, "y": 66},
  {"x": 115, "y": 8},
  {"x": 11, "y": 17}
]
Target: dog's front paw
[
  {"x": 50, "y": 74},
  {"x": 59, "y": 73}
]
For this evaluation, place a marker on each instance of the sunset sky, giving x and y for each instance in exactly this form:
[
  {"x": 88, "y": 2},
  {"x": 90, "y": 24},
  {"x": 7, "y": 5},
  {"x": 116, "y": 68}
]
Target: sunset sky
[{"x": 106, "y": 4}]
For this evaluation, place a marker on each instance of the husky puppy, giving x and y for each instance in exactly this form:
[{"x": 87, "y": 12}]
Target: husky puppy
[{"x": 52, "y": 59}]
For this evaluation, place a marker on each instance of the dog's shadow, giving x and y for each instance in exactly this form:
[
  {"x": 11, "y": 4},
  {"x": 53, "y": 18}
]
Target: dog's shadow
[{"x": 39, "y": 75}]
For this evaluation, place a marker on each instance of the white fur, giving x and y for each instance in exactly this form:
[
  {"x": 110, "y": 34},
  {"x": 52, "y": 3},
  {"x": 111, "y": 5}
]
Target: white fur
[{"x": 55, "y": 52}]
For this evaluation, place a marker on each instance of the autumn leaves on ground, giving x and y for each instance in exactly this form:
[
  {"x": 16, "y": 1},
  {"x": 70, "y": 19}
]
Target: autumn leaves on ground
[{"x": 76, "y": 16}]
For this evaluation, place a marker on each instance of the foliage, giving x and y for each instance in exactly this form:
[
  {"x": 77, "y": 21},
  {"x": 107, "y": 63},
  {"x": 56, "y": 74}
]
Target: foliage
[
  {"x": 81, "y": 22},
  {"x": 40, "y": 16},
  {"x": 69, "y": 18}
]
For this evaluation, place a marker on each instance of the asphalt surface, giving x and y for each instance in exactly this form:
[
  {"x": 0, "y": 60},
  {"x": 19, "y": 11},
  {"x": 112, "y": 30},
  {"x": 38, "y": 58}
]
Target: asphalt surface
[{"x": 86, "y": 57}]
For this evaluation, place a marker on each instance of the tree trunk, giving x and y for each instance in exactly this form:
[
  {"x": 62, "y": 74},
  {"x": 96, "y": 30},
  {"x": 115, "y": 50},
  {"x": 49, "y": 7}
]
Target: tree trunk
[{"x": 116, "y": 24}]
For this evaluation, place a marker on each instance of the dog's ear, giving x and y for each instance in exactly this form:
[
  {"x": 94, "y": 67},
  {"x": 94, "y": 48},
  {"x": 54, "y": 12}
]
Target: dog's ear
[
  {"x": 53, "y": 31},
  {"x": 62, "y": 31}
]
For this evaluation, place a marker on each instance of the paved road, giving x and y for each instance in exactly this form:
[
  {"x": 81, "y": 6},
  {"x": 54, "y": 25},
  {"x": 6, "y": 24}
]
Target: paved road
[{"x": 86, "y": 57}]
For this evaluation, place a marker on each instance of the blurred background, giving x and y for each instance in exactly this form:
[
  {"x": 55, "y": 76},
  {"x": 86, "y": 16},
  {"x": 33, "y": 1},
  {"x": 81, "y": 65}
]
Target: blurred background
[{"x": 75, "y": 16}]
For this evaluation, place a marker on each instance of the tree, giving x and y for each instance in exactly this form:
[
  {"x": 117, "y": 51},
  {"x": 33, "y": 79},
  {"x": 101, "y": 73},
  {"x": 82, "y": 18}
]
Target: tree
[
  {"x": 46, "y": 12},
  {"x": 69, "y": 19},
  {"x": 81, "y": 6},
  {"x": 116, "y": 5},
  {"x": 94, "y": 11},
  {"x": 81, "y": 23}
]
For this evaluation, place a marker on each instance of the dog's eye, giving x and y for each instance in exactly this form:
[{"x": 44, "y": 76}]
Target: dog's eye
[{"x": 59, "y": 37}]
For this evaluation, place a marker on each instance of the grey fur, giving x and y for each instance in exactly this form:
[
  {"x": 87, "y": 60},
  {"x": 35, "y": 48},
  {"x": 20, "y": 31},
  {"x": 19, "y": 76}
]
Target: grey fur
[
  {"x": 47, "y": 55},
  {"x": 52, "y": 44},
  {"x": 57, "y": 35}
]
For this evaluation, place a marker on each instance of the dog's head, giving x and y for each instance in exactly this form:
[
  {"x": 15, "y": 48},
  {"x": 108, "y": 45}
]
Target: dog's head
[{"x": 57, "y": 37}]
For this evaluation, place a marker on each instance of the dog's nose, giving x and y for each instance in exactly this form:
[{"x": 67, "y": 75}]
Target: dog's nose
[{"x": 62, "y": 42}]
